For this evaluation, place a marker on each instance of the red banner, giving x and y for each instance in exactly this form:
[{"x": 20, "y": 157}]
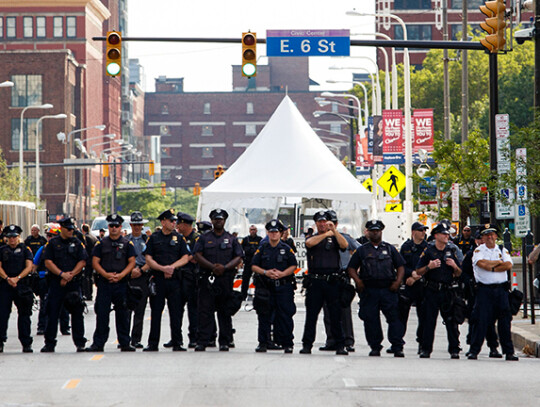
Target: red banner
[
  {"x": 393, "y": 136},
  {"x": 422, "y": 130},
  {"x": 363, "y": 158}
]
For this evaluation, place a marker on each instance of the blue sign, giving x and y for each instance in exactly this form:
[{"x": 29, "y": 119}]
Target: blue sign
[
  {"x": 428, "y": 187},
  {"x": 521, "y": 191},
  {"x": 521, "y": 210},
  {"x": 304, "y": 43},
  {"x": 363, "y": 171},
  {"x": 505, "y": 193}
]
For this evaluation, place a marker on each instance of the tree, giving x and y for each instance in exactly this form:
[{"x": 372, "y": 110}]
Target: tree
[{"x": 10, "y": 182}]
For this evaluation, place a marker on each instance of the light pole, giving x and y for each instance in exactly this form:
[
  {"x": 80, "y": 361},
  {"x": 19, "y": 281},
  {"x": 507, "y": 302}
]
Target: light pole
[
  {"x": 21, "y": 139},
  {"x": 366, "y": 111},
  {"x": 374, "y": 102},
  {"x": 6, "y": 84},
  {"x": 56, "y": 116}
]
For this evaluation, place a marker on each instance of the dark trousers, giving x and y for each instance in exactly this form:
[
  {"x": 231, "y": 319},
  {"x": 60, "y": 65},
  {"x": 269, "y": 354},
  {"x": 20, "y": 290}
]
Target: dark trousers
[
  {"x": 108, "y": 294},
  {"x": 491, "y": 334},
  {"x": 246, "y": 278},
  {"x": 373, "y": 301},
  {"x": 87, "y": 282},
  {"x": 435, "y": 301},
  {"x": 189, "y": 302},
  {"x": 492, "y": 305},
  {"x": 213, "y": 298},
  {"x": 169, "y": 289},
  {"x": 137, "y": 315},
  {"x": 319, "y": 292},
  {"x": 410, "y": 295},
  {"x": 346, "y": 326},
  {"x": 8, "y": 296},
  {"x": 281, "y": 311},
  {"x": 42, "y": 315},
  {"x": 55, "y": 309}
]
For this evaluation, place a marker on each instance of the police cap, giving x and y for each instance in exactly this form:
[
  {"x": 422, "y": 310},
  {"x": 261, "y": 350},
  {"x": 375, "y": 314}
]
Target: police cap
[
  {"x": 204, "y": 226},
  {"x": 418, "y": 226},
  {"x": 13, "y": 231},
  {"x": 168, "y": 214},
  {"x": 488, "y": 228},
  {"x": 185, "y": 218},
  {"x": 374, "y": 224},
  {"x": 137, "y": 219},
  {"x": 68, "y": 223},
  {"x": 441, "y": 228},
  {"x": 332, "y": 215},
  {"x": 275, "y": 225},
  {"x": 219, "y": 214},
  {"x": 320, "y": 215},
  {"x": 114, "y": 219}
]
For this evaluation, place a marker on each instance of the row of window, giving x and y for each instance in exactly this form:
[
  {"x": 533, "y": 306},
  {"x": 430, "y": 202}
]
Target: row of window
[
  {"x": 36, "y": 27},
  {"x": 206, "y": 108},
  {"x": 427, "y": 5},
  {"x": 207, "y": 130},
  {"x": 424, "y": 31}
]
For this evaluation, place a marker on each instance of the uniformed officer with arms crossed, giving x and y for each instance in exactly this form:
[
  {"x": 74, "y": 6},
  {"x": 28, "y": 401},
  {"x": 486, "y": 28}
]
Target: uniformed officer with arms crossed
[
  {"x": 139, "y": 276},
  {"x": 274, "y": 263},
  {"x": 377, "y": 270},
  {"x": 323, "y": 281},
  {"x": 250, "y": 243},
  {"x": 113, "y": 259},
  {"x": 218, "y": 253},
  {"x": 15, "y": 265},
  {"x": 65, "y": 257},
  {"x": 490, "y": 271},
  {"x": 439, "y": 265},
  {"x": 166, "y": 252}
]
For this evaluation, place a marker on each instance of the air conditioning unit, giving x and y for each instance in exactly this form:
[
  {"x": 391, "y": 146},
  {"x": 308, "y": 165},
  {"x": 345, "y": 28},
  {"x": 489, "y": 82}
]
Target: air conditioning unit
[{"x": 126, "y": 116}]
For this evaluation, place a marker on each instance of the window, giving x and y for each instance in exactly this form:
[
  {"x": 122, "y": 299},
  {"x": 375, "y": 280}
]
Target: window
[
  {"x": 164, "y": 130},
  {"x": 29, "y": 140},
  {"x": 165, "y": 152},
  {"x": 27, "y": 90},
  {"x": 335, "y": 128},
  {"x": 165, "y": 174},
  {"x": 71, "y": 27},
  {"x": 208, "y": 174},
  {"x": 335, "y": 107},
  {"x": 249, "y": 108},
  {"x": 11, "y": 25},
  {"x": 251, "y": 130},
  {"x": 414, "y": 32},
  {"x": 41, "y": 31},
  {"x": 207, "y": 152},
  {"x": 28, "y": 27},
  {"x": 471, "y": 4},
  {"x": 207, "y": 131},
  {"x": 58, "y": 27},
  {"x": 412, "y": 4},
  {"x": 1, "y": 27},
  {"x": 206, "y": 108},
  {"x": 165, "y": 108}
]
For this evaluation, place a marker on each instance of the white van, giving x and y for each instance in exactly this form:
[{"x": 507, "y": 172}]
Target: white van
[{"x": 101, "y": 223}]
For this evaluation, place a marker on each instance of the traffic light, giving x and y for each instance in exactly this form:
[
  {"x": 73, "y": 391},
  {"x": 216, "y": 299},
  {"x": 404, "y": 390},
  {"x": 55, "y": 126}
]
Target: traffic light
[
  {"x": 106, "y": 170},
  {"x": 151, "y": 168},
  {"x": 92, "y": 191},
  {"x": 113, "y": 53},
  {"x": 249, "y": 54},
  {"x": 197, "y": 189},
  {"x": 163, "y": 189},
  {"x": 219, "y": 172},
  {"x": 494, "y": 25}
]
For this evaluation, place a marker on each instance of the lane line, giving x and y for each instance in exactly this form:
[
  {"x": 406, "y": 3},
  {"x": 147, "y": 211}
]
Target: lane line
[
  {"x": 349, "y": 382},
  {"x": 71, "y": 384},
  {"x": 413, "y": 389},
  {"x": 97, "y": 357}
]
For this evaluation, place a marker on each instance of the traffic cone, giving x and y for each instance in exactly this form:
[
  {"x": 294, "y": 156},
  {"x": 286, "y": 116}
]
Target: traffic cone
[{"x": 514, "y": 281}]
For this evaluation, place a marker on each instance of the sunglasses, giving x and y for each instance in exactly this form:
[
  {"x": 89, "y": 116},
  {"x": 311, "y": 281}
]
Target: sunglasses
[{"x": 115, "y": 226}]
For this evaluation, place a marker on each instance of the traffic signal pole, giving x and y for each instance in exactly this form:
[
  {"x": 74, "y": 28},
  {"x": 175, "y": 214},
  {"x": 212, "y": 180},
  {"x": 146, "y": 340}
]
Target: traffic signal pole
[{"x": 493, "y": 110}]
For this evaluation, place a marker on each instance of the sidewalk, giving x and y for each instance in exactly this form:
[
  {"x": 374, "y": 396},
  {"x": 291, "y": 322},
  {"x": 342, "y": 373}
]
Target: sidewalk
[{"x": 526, "y": 335}]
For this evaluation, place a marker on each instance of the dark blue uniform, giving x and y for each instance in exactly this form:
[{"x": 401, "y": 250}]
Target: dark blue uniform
[
  {"x": 250, "y": 246},
  {"x": 189, "y": 291},
  {"x": 139, "y": 243},
  {"x": 377, "y": 269},
  {"x": 214, "y": 296},
  {"x": 281, "y": 299},
  {"x": 65, "y": 254},
  {"x": 165, "y": 250},
  {"x": 113, "y": 256},
  {"x": 437, "y": 297},
  {"x": 13, "y": 262},
  {"x": 35, "y": 243}
]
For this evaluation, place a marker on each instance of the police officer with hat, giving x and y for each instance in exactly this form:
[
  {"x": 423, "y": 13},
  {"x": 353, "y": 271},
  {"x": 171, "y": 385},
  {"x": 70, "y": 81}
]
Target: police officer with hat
[
  {"x": 323, "y": 281},
  {"x": 377, "y": 270},
  {"x": 274, "y": 263},
  {"x": 139, "y": 276},
  {"x": 166, "y": 253},
  {"x": 439, "y": 265},
  {"x": 250, "y": 243},
  {"x": 491, "y": 263},
  {"x": 218, "y": 253},
  {"x": 113, "y": 259},
  {"x": 65, "y": 257},
  {"x": 15, "y": 265},
  {"x": 204, "y": 226}
]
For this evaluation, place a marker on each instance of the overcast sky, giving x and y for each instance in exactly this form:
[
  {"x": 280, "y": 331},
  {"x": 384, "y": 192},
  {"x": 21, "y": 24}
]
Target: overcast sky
[{"x": 207, "y": 67}]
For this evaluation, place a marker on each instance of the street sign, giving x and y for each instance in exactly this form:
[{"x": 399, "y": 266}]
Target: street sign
[
  {"x": 505, "y": 210},
  {"x": 522, "y": 217},
  {"x": 304, "y": 43},
  {"x": 455, "y": 201},
  {"x": 85, "y": 163},
  {"x": 392, "y": 181},
  {"x": 368, "y": 184},
  {"x": 393, "y": 207}
]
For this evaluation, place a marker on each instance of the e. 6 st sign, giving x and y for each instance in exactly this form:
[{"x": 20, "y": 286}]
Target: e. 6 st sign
[{"x": 308, "y": 43}]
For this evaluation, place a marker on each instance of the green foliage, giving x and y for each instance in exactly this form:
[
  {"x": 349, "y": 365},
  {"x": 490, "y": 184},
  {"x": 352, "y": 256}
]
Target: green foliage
[{"x": 9, "y": 184}]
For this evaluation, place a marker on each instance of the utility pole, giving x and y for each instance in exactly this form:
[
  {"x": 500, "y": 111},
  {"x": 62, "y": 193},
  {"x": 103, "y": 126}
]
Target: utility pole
[
  {"x": 464, "y": 77},
  {"x": 536, "y": 219},
  {"x": 446, "y": 79}
]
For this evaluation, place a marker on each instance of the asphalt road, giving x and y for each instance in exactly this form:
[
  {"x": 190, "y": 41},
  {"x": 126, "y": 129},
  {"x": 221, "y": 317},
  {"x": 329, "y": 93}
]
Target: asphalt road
[{"x": 243, "y": 378}]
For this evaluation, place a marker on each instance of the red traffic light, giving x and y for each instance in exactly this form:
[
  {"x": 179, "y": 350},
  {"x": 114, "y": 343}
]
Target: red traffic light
[
  {"x": 249, "y": 39},
  {"x": 113, "y": 39}
]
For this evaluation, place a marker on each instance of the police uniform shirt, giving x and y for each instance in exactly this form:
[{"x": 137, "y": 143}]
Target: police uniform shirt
[
  {"x": 250, "y": 246},
  {"x": 99, "y": 252},
  {"x": 483, "y": 276},
  {"x": 139, "y": 243},
  {"x": 218, "y": 249},
  {"x": 65, "y": 253},
  {"x": 411, "y": 253},
  {"x": 345, "y": 256},
  {"x": 34, "y": 243},
  {"x": 444, "y": 273},
  {"x": 166, "y": 249},
  {"x": 324, "y": 257},
  {"x": 465, "y": 244},
  {"x": 14, "y": 259},
  {"x": 280, "y": 257},
  {"x": 191, "y": 240},
  {"x": 370, "y": 255}
]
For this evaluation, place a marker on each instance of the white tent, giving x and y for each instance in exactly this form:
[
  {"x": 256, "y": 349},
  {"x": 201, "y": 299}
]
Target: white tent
[{"x": 286, "y": 159}]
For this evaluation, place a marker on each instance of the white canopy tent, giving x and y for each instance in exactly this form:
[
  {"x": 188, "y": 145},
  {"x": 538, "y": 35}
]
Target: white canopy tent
[{"x": 286, "y": 160}]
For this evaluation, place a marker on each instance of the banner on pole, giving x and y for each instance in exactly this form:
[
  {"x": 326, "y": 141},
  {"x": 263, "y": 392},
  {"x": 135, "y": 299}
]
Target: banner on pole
[
  {"x": 422, "y": 130},
  {"x": 378, "y": 127},
  {"x": 393, "y": 137}
]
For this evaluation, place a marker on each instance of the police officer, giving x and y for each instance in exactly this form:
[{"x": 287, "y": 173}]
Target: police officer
[
  {"x": 250, "y": 243},
  {"x": 204, "y": 226},
  {"x": 139, "y": 276},
  {"x": 322, "y": 284},
  {"x": 491, "y": 264},
  {"x": 113, "y": 259},
  {"x": 166, "y": 252},
  {"x": 411, "y": 292},
  {"x": 465, "y": 241},
  {"x": 377, "y": 270},
  {"x": 34, "y": 241},
  {"x": 274, "y": 263},
  {"x": 218, "y": 253},
  {"x": 440, "y": 266},
  {"x": 65, "y": 256},
  {"x": 15, "y": 265}
]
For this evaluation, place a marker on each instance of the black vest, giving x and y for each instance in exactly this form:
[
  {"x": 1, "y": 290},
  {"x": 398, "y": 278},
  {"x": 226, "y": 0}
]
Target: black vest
[
  {"x": 13, "y": 260},
  {"x": 114, "y": 254},
  {"x": 324, "y": 256},
  {"x": 377, "y": 264}
]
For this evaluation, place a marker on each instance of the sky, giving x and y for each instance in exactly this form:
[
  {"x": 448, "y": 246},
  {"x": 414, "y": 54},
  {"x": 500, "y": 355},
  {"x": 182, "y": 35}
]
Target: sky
[{"x": 207, "y": 66}]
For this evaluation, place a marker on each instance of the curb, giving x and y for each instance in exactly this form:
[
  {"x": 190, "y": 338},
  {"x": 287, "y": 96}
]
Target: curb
[{"x": 522, "y": 338}]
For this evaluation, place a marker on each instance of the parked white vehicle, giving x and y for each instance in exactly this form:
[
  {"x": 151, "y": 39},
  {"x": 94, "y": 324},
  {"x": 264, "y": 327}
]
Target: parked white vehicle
[{"x": 101, "y": 223}]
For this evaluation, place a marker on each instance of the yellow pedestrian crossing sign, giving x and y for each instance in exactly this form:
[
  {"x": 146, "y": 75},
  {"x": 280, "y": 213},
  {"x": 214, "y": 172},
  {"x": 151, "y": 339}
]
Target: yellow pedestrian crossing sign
[
  {"x": 392, "y": 181},
  {"x": 368, "y": 184},
  {"x": 393, "y": 207}
]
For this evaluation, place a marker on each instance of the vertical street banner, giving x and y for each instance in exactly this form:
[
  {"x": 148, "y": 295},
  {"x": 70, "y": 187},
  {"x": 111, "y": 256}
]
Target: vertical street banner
[
  {"x": 378, "y": 127},
  {"x": 422, "y": 123},
  {"x": 370, "y": 136},
  {"x": 455, "y": 202},
  {"x": 522, "y": 218},
  {"x": 364, "y": 162},
  {"x": 504, "y": 207},
  {"x": 393, "y": 137}
]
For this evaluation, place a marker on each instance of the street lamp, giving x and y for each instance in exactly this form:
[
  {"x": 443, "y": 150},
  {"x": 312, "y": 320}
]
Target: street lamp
[
  {"x": 6, "y": 84},
  {"x": 366, "y": 111},
  {"x": 56, "y": 116},
  {"x": 21, "y": 138}
]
